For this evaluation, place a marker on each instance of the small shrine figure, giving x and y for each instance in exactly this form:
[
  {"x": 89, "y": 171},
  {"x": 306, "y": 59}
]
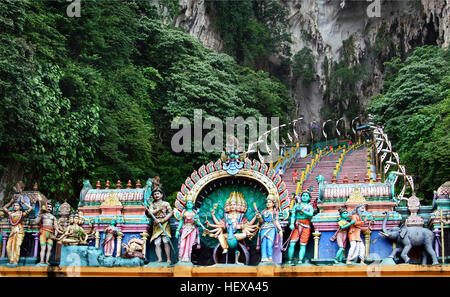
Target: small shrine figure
[
  {"x": 187, "y": 232},
  {"x": 17, "y": 234},
  {"x": 134, "y": 248},
  {"x": 47, "y": 232},
  {"x": 74, "y": 233},
  {"x": 160, "y": 211},
  {"x": 270, "y": 234},
  {"x": 109, "y": 238},
  {"x": 341, "y": 234},
  {"x": 300, "y": 224},
  {"x": 357, "y": 248}
]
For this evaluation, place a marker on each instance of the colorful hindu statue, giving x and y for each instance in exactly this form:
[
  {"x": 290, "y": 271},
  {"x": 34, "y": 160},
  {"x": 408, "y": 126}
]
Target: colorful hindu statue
[
  {"x": 341, "y": 234},
  {"x": 357, "y": 248},
  {"x": 270, "y": 234},
  {"x": 300, "y": 224},
  {"x": 74, "y": 233},
  {"x": 160, "y": 211},
  {"x": 134, "y": 248},
  {"x": 187, "y": 232},
  {"x": 17, "y": 234},
  {"x": 110, "y": 234},
  {"x": 234, "y": 227},
  {"x": 232, "y": 157},
  {"x": 47, "y": 232}
]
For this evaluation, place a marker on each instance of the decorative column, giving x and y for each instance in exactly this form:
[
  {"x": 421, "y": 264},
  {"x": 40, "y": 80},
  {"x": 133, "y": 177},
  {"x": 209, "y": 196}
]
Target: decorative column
[
  {"x": 367, "y": 234},
  {"x": 97, "y": 239},
  {"x": 119, "y": 243},
  {"x": 4, "y": 240},
  {"x": 316, "y": 236},
  {"x": 36, "y": 244},
  {"x": 144, "y": 236},
  {"x": 437, "y": 241}
]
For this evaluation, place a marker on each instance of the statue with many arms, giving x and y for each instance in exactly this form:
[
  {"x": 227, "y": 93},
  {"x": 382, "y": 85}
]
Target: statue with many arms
[{"x": 234, "y": 227}]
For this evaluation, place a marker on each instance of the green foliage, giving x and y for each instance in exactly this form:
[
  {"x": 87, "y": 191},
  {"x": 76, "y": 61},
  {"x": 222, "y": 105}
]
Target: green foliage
[
  {"x": 93, "y": 97},
  {"x": 414, "y": 110},
  {"x": 304, "y": 65},
  {"x": 251, "y": 30}
]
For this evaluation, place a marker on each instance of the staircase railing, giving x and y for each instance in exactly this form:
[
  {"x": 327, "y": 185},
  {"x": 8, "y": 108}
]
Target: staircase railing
[{"x": 289, "y": 159}]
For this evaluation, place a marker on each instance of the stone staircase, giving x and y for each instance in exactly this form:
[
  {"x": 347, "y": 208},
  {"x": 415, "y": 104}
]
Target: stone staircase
[
  {"x": 299, "y": 165},
  {"x": 324, "y": 167},
  {"x": 355, "y": 163}
]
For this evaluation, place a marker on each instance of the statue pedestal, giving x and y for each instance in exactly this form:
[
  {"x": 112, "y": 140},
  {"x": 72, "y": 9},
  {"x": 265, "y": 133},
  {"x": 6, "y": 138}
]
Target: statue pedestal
[
  {"x": 388, "y": 261},
  {"x": 182, "y": 269},
  {"x": 77, "y": 256}
]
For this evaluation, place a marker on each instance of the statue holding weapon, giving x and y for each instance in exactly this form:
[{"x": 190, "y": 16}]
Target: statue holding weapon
[{"x": 160, "y": 211}]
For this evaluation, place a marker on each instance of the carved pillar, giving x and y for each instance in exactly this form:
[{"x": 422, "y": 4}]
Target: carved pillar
[
  {"x": 36, "y": 244},
  {"x": 4, "y": 240},
  {"x": 97, "y": 239},
  {"x": 316, "y": 236},
  {"x": 144, "y": 236},
  {"x": 119, "y": 244},
  {"x": 367, "y": 234}
]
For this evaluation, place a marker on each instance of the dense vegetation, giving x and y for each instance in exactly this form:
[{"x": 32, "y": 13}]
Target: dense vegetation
[
  {"x": 414, "y": 109},
  {"x": 251, "y": 30},
  {"x": 93, "y": 97}
]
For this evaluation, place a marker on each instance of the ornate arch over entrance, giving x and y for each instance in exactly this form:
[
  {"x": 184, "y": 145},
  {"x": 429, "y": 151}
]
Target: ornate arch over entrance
[{"x": 252, "y": 173}]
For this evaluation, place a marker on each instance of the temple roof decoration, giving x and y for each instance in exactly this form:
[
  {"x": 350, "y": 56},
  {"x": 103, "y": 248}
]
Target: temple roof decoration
[
  {"x": 111, "y": 200},
  {"x": 356, "y": 197}
]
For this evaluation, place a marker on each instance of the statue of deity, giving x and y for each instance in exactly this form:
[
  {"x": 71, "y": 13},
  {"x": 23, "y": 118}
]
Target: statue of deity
[
  {"x": 300, "y": 224},
  {"x": 109, "y": 238},
  {"x": 270, "y": 234},
  {"x": 160, "y": 211},
  {"x": 234, "y": 227},
  {"x": 357, "y": 248},
  {"x": 74, "y": 233},
  {"x": 341, "y": 234},
  {"x": 47, "y": 232},
  {"x": 17, "y": 234},
  {"x": 187, "y": 232}
]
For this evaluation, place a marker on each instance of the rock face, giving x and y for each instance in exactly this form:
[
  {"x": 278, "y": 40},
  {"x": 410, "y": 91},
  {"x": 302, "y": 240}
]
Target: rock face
[{"x": 378, "y": 30}]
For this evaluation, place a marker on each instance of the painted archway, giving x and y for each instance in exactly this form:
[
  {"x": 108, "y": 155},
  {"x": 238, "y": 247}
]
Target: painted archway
[{"x": 253, "y": 171}]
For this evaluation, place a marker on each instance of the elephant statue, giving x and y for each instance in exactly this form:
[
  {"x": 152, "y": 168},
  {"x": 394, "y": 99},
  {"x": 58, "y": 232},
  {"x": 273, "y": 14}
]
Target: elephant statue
[{"x": 408, "y": 237}]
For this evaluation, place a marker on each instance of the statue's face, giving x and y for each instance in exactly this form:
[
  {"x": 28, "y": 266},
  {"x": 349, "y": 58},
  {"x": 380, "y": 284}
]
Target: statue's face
[
  {"x": 344, "y": 215},
  {"x": 71, "y": 220},
  {"x": 227, "y": 208},
  {"x": 189, "y": 204},
  {"x": 305, "y": 197},
  {"x": 269, "y": 203},
  {"x": 16, "y": 206},
  {"x": 362, "y": 209},
  {"x": 157, "y": 195},
  {"x": 233, "y": 206},
  {"x": 49, "y": 208}
]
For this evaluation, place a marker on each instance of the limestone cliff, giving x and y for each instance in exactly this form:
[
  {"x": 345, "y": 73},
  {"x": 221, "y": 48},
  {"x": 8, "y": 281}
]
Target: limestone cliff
[{"x": 377, "y": 30}]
